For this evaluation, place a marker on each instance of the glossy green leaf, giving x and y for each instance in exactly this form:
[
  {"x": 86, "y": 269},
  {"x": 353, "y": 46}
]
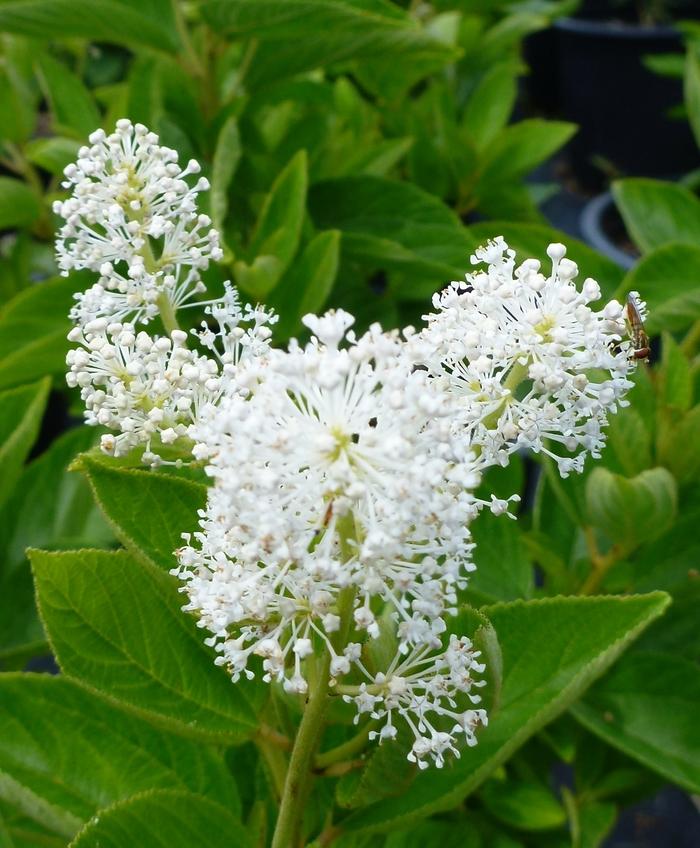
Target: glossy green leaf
[
  {"x": 595, "y": 823},
  {"x": 520, "y": 147},
  {"x": 164, "y": 819},
  {"x": 525, "y": 805},
  {"x": 148, "y": 511},
  {"x": 299, "y": 35},
  {"x": 531, "y": 240},
  {"x": 52, "y": 154},
  {"x": 146, "y": 22},
  {"x": 553, "y": 650},
  {"x": 65, "y": 754},
  {"x": 631, "y": 511},
  {"x": 72, "y": 106},
  {"x": 277, "y": 232},
  {"x": 658, "y": 213},
  {"x": 227, "y": 155},
  {"x": 668, "y": 279},
  {"x": 307, "y": 284},
  {"x": 490, "y": 104},
  {"x": 647, "y": 708},
  {"x": 17, "y": 104},
  {"x": 21, "y": 411},
  {"x": 33, "y": 330},
  {"x": 19, "y": 205},
  {"x": 675, "y": 388},
  {"x": 48, "y": 507},
  {"x": 117, "y": 625},
  {"x": 394, "y": 226},
  {"x": 504, "y": 571}
]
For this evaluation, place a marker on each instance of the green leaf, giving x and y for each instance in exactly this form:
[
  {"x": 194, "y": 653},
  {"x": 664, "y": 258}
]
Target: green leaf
[
  {"x": 521, "y": 147},
  {"x": 522, "y": 804},
  {"x": 164, "y": 819},
  {"x": 227, "y": 155},
  {"x": 307, "y": 284},
  {"x": 150, "y": 23},
  {"x": 21, "y": 411},
  {"x": 668, "y": 279},
  {"x": 675, "y": 377},
  {"x": 691, "y": 91},
  {"x": 504, "y": 571},
  {"x": 531, "y": 240},
  {"x": 17, "y": 104},
  {"x": 647, "y": 707},
  {"x": 117, "y": 625},
  {"x": 630, "y": 440},
  {"x": 19, "y": 205},
  {"x": 73, "y": 109},
  {"x": 33, "y": 330},
  {"x": 432, "y": 834},
  {"x": 394, "y": 226},
  {"x": 631, "y": 511},
  {"x": 595, "y": 823},
  {"x": 490, "y": 104},
  {"x": 148, "y": 511},
  {"x": 657, "y": 213},
  {"x": 553, "y": 649},
  {"x": 277, "y": 232},
  {"x": 52, "y": 154},
  {"x": 49, "y": 507},
  {"x": 299, "y": 35},
  {"x": 65, "y": 753}
]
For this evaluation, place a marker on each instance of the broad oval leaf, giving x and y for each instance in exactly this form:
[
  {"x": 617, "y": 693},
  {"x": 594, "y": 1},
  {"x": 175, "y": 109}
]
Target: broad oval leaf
[
  {"x": 147, "y": 22},
  {"x": 647, "y": 707},
  {"x": 163, "y": 819},
  {"x": 21, "y": 411},
  {"x": 307, "y": 284},
  {"x": 631, "y": 510},
  {"x": 33, "y": 330},
  {"x": 394, "y": 226},
  {"x": 65, "y": 753},
  {"x": 553, "y": 649},
  {"x": 657, "y": 212},
  {"x": 277, "y": 232},
  {"x": 117, "y": 625},
  {"x": 148, "y": 511},
  {"x": 668, "y": 279},
  {"x": 19, "y": 205}
]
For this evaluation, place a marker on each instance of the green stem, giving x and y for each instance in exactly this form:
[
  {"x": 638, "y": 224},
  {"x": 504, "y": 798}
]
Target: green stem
[
  {"x": 342, "y": 752},
  {"x": 167, "y": 314},
  {"x": 298, "y": 773},
  {"x": 190, "y": 59},
  {"x": 600, "y": 563}
]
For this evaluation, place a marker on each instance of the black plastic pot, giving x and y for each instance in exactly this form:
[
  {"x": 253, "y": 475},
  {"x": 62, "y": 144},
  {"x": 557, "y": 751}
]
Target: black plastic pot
[
  {"x": 601, "y": 227},
  {"x": 620, "y": 105}
]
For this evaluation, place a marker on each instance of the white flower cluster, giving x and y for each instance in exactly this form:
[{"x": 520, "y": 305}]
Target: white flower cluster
[
  {"x": 340, "y": 480},
  {"x": 149, "y": 388},
  {"x": 535, "y": 367},
  {"x": 132, "y": 217},
  {"x": 343, "y": 471}
]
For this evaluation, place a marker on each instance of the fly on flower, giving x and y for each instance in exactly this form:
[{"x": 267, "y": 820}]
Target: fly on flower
[{"x": 640, "y": 340}]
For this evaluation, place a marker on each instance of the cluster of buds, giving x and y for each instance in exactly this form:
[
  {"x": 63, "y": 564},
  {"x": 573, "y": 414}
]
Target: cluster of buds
[{"x": 343, "y": 471}]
